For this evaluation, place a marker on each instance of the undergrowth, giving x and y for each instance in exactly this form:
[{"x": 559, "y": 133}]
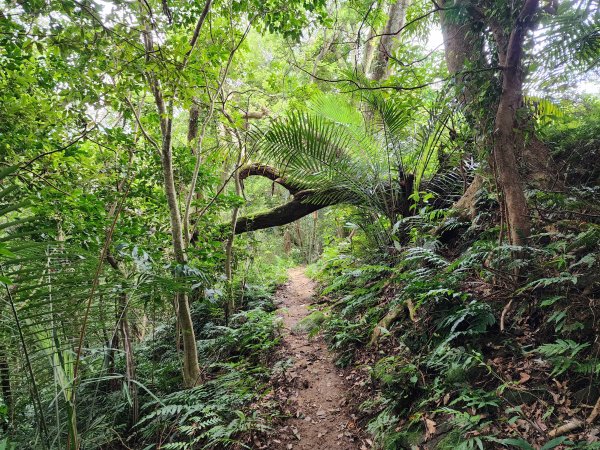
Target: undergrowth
[
  {"x": 473, "y": 356},
  {"x": 222, "y": 411}
]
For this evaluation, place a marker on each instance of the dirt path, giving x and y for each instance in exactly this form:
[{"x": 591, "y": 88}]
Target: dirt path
[{"x": 318, "y": 396}]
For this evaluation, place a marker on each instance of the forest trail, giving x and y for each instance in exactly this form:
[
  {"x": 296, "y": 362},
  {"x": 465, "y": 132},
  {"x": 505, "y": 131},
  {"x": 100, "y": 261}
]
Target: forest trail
[{"x": 321, "y": 419}]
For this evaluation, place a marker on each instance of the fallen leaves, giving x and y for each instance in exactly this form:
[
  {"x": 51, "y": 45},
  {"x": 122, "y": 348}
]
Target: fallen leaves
[
  {"x": 524, "y": 377},
  {"x": 430, "y": 428}
]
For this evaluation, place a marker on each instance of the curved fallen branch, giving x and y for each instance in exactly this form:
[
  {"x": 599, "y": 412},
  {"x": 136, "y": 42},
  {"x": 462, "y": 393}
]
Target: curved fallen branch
[
  {"x": 303, "y": 201},
  {"x": 306, "y": 200}
]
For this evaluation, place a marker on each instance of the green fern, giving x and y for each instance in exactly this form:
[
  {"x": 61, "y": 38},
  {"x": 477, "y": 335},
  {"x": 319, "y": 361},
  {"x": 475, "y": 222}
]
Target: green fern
[
  {"x": 209, "y": 416},
  {"x": 562, "y": 354}
]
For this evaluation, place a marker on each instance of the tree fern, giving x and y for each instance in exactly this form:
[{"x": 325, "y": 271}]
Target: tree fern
[{"x": 332, "y": 154}]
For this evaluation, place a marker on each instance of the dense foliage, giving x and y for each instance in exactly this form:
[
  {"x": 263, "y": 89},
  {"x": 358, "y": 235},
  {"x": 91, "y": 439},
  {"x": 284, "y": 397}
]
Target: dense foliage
[{"x": 434, "y": 163}]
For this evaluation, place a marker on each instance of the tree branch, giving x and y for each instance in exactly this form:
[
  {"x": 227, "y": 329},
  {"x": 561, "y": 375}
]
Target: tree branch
[
  {"x": 523, "y": 24},
  {"x": 258, "y": 169},
  {"x": 281, "y": 215},
  {"x": 141, "y": 127}
]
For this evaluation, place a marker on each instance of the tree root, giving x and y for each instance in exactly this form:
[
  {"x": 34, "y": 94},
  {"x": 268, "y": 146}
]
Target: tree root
[
  {"x": 464, "y": 207},
  {"x": 595, "y": 413},
  {"x": 505, "y": 311},
  {"x": 392, "y": 315}
]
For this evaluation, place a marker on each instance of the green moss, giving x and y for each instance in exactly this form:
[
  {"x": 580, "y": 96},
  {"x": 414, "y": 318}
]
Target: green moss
[{"x": 311, "y": 324}]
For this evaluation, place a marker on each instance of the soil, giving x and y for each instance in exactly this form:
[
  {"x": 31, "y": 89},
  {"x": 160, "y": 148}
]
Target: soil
[{"x": 317, "y": 399}]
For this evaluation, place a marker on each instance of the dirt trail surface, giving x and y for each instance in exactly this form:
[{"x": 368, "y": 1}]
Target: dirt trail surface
[{"x": 317, "y": 401}]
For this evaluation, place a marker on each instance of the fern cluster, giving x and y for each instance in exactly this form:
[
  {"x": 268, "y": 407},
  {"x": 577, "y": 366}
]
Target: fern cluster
[{"x": 442, "y": 356}]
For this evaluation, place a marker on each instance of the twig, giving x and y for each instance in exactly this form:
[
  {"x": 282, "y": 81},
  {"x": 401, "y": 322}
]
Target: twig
[
  {"x": 192, "y": 188},
  {"x": 416, "y": 19},
  {"x": 141, "y": 127},
  {"x": 395, "y": 87},
  {"x": 566, "y": 428},
  {"x": 58, "y": 150},
  {"x": 504, "y": 313},
  {"x": 595, "y": 413},
  {"x": 575, "y": 424}
]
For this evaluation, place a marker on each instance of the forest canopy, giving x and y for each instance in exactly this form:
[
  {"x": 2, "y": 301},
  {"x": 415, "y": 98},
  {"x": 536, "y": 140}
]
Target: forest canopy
[{"x": 434, "y": 164}]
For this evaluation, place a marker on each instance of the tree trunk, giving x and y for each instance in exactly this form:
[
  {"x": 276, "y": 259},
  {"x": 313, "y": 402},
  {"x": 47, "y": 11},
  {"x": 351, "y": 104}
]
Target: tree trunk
[
  {"x": 322, "y": 52},
  {"x": 369, "y": 49},
  {"x": 314, "y": 245},
  {"x": 463, "y": 42},
  {"x": 193, "y": 124},
  {"x": 287, "y": 241},
  {"x": 191, "y": 369},
  {"x": 369, "y": 52},
  {"x": 505, "y": 160},
  {"x": 389, "y": 40},
  {"x": 506, "y": 125},
  {"x": 230, "y": 307},
  {"x": 124, "y": 329}
]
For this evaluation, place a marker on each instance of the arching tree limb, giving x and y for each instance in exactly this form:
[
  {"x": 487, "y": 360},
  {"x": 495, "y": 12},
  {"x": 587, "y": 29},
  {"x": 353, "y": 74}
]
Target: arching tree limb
[
  {"x": 302, "y": 204},
  {"x": 295, "y": 209},
  {"x": 273, "y": 174},
  {"x": 289, "y": 212}
]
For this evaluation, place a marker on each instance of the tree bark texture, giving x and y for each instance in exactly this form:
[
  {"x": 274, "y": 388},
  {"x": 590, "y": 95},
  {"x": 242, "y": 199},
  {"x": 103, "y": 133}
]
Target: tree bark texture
[
  {"x": 505, "y": 160},
  {"x": 505, "y": 135},
  {"x": 302, "y": 204},
  {"x": 369, "y": 52},
  {"x": 463, "y": 43},
  {"x": 191, "y": 369},
  {"x": 281, "y": 215}
]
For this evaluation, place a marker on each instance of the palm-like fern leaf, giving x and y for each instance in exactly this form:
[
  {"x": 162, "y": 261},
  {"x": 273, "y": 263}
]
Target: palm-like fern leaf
[
  {"x": 568, "y": 43},
  {"x": 45, "y": 285}
]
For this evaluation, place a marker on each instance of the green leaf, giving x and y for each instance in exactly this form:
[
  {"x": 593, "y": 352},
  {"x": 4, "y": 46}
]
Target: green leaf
[
  {"x": 516, "y": 442},
  {"x": 556, "y": 442}
]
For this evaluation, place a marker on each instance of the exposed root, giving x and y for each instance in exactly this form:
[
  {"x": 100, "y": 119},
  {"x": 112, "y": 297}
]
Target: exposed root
[
  {"x": 388, "y": 319},
  {"x": 465, "y": 206},
  {"x": 505, "y": 311},
  {"x": 595, "y": 413}
]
